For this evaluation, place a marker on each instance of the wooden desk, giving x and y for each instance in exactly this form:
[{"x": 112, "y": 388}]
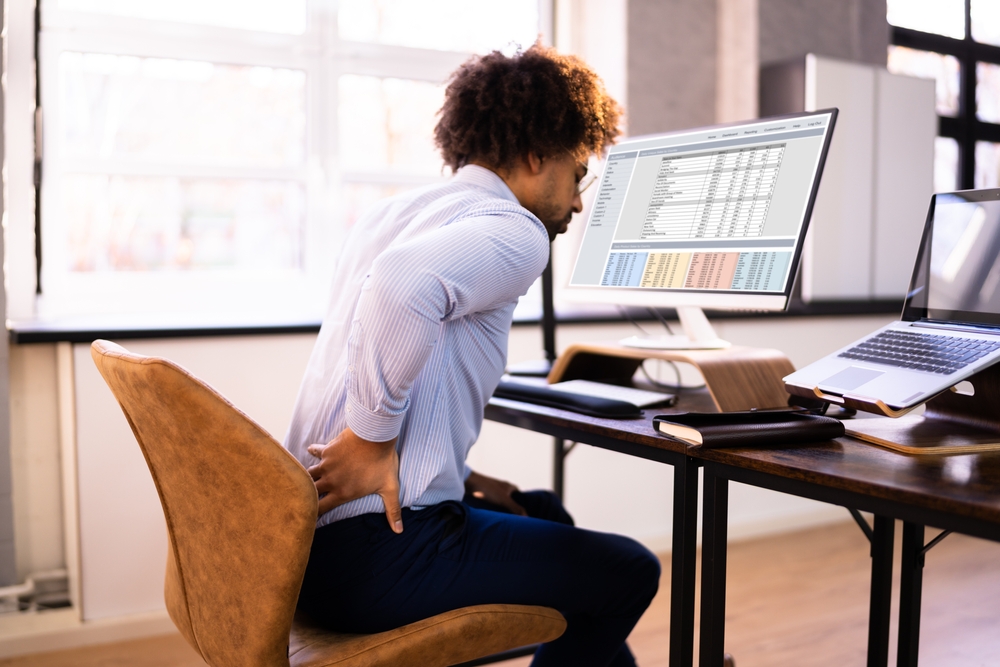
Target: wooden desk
[
  {"x": 955, "y": 493},
  {"x": 636, "y": 437}
]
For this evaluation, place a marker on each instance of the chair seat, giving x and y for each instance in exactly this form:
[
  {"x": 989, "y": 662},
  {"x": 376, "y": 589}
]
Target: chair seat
[{"x": 446, "y": 639}]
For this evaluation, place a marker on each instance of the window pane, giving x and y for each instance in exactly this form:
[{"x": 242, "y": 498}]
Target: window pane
[
  {"x": 987, "y": 165},
  {"x": 986, "y": 21},
  {"x": 476, "y": 26},
  {"x": 945, "y": 164},
  {"x": 988, "y": 92},
  {"x": 287, "y": 16},
  {"x": 124, "y": 223},
  {"x": 945, "y": 70},
  {"x": 941, "y": 17},
  {"x": 188, "y": 112},
  {"x": 388, "y": 124}
]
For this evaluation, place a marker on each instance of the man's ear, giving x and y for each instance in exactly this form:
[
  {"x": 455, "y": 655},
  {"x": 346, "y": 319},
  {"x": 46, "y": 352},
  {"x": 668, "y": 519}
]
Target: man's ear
[{"x": 534, "y": 162}]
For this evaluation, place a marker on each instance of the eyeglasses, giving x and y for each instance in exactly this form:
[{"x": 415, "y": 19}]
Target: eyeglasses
[{"x": 585, "y": 183}]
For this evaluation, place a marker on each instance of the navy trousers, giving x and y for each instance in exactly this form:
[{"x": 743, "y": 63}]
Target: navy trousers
[{"x": 364, "y": 578}]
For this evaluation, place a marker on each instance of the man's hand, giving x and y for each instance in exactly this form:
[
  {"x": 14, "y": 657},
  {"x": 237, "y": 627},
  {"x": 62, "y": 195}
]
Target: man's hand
[
  {"x": 351, "y": 468},
  {"x": 494, "y": 491}
]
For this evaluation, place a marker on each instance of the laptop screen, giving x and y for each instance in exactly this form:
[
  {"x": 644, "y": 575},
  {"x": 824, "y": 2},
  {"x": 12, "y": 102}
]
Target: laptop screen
[{"x": 957, "y": 274}]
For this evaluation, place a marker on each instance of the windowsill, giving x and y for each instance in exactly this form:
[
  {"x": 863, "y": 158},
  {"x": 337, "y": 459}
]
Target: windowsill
[
  {"x": 85, "y": 329},
  {"x": 601, "y": 314}
]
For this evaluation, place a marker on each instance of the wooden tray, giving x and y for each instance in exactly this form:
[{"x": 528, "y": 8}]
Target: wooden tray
[
  {"x": 916, "y": 434},
  {"x": 953, "y": 423}
]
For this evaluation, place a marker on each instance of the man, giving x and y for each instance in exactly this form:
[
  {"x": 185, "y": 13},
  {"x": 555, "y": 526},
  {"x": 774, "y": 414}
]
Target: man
[{"x": 412, "y": 347}]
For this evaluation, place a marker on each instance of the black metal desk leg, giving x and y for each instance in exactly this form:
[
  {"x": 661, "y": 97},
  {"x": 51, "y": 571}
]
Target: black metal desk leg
[
  {"x": 881, "y": 592},
  {"x": 558, "y": 467},
  {"x": 683, "y": 563},
  {"x": 911, "y": 578},
  {"x": 715, "y": 518}
]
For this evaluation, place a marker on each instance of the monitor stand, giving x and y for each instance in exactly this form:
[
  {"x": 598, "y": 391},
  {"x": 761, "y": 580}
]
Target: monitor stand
[
  {"x": 736, "y": 377},
  {"x": 698, "y": 334}
]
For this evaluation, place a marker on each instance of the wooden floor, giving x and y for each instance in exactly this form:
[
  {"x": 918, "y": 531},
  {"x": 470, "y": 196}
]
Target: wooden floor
[{"x": 797, "y": 599}]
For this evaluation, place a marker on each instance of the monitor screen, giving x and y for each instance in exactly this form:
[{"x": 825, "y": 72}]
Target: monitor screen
[
  {"x": 957, "y": 273},
  {"x": 712, "y": 217}
]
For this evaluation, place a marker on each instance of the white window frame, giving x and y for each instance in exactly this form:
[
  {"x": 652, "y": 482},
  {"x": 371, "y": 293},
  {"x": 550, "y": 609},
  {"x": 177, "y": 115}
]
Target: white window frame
[{"x": 319, "y": 52}]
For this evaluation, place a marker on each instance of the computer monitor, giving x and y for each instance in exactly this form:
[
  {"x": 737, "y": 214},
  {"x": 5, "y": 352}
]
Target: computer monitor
[{"x": 706, "y": 218}]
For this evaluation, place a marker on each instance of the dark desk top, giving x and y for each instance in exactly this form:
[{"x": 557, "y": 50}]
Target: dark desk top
[
  {"x": 607, "y": 433},
  {"x": 958, "y": 491},
  {"x": 963, "y": 486}
]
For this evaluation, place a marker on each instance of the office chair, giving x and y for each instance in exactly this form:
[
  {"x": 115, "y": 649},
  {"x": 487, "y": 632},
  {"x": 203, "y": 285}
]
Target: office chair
[{"x": 240, "y": 513}]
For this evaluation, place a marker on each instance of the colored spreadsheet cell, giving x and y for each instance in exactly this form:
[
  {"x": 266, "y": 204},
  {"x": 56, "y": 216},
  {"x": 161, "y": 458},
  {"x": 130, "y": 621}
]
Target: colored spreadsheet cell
[
  {"x": 758, "y": 271},
  {"x": 712, "y": 270},
  {"x": 624, "y": 269},
  {"x": 761, "y": 271},
  {"x": 666, "y": 269}
]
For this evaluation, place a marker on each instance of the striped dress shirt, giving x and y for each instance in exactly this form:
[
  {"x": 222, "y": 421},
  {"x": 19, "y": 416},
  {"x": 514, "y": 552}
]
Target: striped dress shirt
[{"x": 415, "y": 339}]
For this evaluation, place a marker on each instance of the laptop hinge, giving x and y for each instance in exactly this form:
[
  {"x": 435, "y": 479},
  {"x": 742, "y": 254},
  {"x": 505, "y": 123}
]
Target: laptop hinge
[{"x": 949, "y": 326}]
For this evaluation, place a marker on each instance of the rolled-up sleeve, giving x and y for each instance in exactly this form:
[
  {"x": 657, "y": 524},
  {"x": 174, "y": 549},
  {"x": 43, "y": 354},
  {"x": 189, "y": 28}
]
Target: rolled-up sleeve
[{"x": 482, "y": 261}]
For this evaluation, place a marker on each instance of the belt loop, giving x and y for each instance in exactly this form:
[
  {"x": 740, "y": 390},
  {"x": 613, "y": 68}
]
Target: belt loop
[{"x": 455, "y": 523}]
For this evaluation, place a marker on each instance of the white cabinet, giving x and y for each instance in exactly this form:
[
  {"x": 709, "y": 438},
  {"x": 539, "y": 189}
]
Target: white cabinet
[{"x": 878, "y": 179}]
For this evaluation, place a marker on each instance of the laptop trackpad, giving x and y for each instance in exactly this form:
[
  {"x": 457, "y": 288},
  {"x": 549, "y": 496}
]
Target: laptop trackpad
[{"x": 851, "y": 378}]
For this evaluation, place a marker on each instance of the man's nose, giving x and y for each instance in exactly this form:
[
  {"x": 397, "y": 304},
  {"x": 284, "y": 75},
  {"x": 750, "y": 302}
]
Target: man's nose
[{"x": 577, "y": 203}]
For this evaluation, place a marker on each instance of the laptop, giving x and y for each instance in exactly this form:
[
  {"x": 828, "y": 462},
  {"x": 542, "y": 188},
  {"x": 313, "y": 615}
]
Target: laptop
[{"x": 950, "y": 325}]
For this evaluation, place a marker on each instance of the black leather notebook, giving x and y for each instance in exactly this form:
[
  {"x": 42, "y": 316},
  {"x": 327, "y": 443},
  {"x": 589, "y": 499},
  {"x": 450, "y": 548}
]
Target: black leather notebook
[{"x": 747, "y": 429}]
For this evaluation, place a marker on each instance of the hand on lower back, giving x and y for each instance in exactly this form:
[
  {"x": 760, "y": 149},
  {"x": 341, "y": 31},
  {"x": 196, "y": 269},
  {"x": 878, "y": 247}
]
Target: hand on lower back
[{"x": 350, "y": 468}]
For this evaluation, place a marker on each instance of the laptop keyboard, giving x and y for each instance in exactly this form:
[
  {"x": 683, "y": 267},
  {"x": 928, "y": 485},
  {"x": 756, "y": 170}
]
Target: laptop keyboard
[{"x": 922, "y": 352}]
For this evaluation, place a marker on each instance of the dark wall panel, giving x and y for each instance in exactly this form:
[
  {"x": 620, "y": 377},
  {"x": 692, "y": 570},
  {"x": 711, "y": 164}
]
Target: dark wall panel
[{"x": 671, "y": 65}]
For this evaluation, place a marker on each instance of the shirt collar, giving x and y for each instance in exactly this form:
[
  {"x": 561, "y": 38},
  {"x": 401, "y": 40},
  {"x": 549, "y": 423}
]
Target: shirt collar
[{"x": 488, "y": 180}]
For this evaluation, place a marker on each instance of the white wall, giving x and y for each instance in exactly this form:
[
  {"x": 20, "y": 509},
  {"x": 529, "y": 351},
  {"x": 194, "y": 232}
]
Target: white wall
[
  {"x": 122, "y": 533},
  {"x": 595, "y": 30}
]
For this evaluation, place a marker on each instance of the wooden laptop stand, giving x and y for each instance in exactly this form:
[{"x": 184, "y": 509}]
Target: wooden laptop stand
[
  {"x": 738, "y": 378},
  {"x": 953, "y": 422}
]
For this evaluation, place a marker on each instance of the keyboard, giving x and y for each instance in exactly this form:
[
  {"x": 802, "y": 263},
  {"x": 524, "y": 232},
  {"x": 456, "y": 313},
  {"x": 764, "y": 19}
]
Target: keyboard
[
  {"x": 638, "y": 397},
  {"x": 922, "y": 352},
  {"x": 543, "y": 394}
]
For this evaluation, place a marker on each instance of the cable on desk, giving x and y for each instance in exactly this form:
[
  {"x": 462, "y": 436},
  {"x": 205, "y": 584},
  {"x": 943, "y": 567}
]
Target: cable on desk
[
  {"x": 624, "y": 313},
  {"x": 666, "y": 325},
  {"x": 658, "y": 315},
  {"x": 663, "y": 385}
]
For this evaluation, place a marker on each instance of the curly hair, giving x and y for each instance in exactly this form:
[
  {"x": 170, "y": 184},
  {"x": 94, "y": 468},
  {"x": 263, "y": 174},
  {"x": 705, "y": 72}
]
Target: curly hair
[{"x": 497, "y": 109}]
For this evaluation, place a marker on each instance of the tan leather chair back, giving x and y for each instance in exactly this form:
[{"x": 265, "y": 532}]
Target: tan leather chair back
[{"x": 240, "y": 510}]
